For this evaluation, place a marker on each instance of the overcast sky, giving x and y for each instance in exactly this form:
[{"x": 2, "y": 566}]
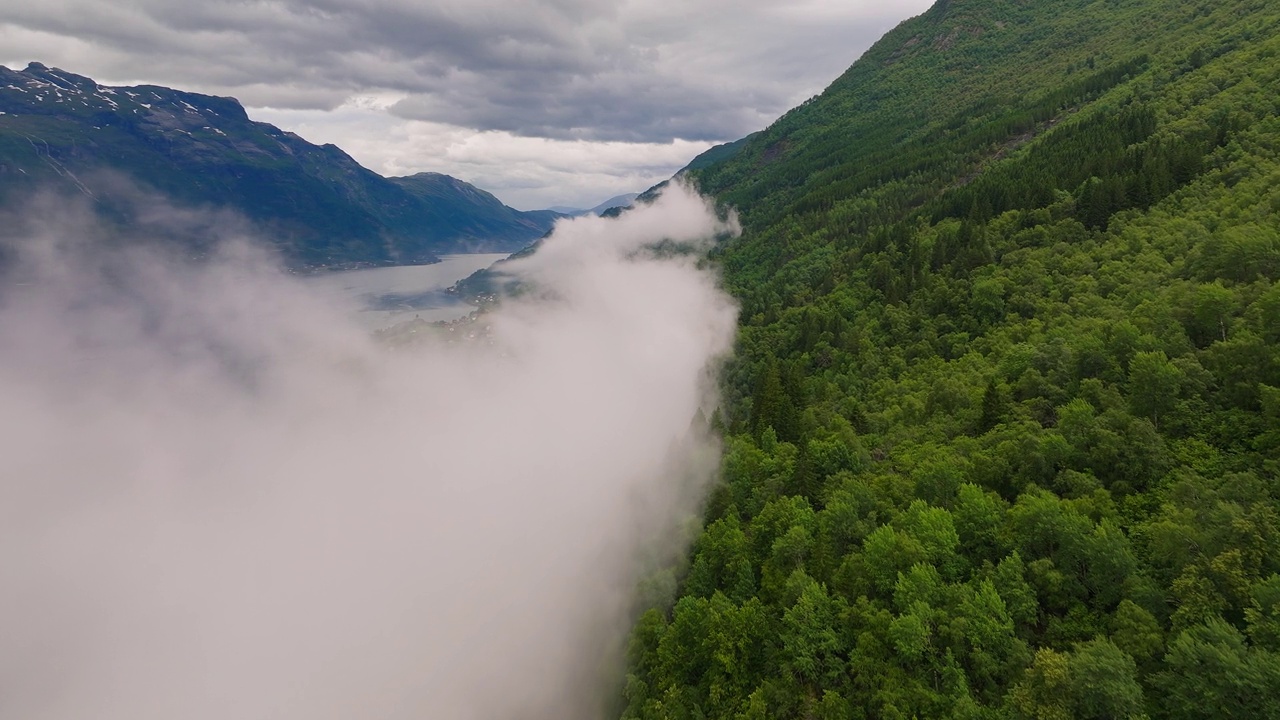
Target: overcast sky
[{"x": 542, "y": 102}]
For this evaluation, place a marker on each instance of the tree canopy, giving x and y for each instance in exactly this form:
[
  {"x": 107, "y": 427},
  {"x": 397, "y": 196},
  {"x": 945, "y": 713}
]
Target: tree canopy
[{"x": 1002, "y": 430}]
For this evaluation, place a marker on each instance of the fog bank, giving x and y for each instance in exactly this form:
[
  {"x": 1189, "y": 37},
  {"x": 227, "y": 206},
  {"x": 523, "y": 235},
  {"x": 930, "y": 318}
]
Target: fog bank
[{"x": 219, "y": 498}]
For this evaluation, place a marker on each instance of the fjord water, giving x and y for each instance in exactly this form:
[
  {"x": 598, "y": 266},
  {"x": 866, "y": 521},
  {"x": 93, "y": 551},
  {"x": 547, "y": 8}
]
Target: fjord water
[{"x": 388, "y": 295}]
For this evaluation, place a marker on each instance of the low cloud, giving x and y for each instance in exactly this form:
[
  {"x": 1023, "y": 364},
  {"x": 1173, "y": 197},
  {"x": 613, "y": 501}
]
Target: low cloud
[{"x": 221, "y": 499}]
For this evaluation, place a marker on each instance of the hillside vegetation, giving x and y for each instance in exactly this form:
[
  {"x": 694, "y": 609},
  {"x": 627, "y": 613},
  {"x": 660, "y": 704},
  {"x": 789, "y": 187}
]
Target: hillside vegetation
[{"x": 1003, "y": 427}]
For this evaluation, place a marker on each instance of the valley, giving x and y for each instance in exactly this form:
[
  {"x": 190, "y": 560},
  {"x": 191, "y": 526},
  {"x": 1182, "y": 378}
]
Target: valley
[{"x": 995, "y": 434}]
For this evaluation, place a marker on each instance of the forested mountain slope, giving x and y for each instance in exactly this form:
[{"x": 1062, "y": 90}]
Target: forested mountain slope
[
  {"x": 1003, "y": 428},
  {"x": 64, "y": 132}
]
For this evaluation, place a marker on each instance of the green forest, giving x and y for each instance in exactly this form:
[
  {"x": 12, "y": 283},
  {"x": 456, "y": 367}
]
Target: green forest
[{"x": 1002, "y": 427}]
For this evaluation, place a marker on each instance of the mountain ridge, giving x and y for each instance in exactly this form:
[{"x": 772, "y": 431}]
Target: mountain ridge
[
  {"x": 315, "y": 203},
  {"x": 617, "y": 201}
]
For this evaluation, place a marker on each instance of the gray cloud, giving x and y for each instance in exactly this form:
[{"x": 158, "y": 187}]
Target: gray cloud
[
  {"x": 220, "y": 499},
  {"x": 582, "y": 69},
  {"x": 598, "y": 107}
]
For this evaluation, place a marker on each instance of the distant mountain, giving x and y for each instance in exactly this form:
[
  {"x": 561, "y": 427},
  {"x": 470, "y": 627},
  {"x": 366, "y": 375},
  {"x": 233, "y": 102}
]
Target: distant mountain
[
  {"x": 317, "y": 204},
  {"x": 619, "y": 201},
  {"x": 469, "y": 216},
  {"x": 614, "y": 202}
]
